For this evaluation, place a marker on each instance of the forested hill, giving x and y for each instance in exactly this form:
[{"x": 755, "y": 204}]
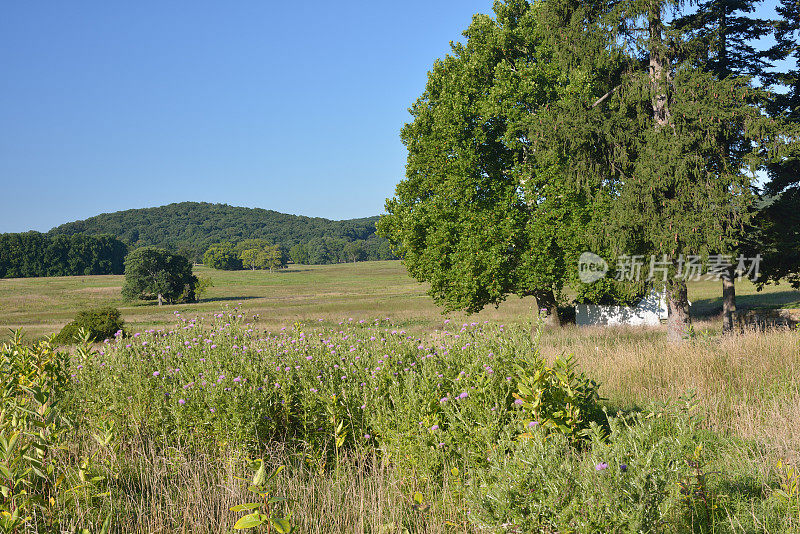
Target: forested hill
[{"x": 194, "y": 226}]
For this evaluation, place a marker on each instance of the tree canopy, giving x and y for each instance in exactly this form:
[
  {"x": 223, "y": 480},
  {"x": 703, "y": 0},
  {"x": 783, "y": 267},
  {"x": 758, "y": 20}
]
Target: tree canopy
[
  {"x": 563, "y": 126},
  {"x": 155, "y": 274},
  {"x": 481, "y": 213}
]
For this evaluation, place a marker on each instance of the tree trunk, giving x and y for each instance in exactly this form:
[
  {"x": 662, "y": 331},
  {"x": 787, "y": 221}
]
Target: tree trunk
[
  {"x": 728, "y": 301},
  {"x": 659, "y": 68},
  {"x": 548, "y": 308},
  {"x": 678, "y": 320},
  {"x": 160, "y": 299}
]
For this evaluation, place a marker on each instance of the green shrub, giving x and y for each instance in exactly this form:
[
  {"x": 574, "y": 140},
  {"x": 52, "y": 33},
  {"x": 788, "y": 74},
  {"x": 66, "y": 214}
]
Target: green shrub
[
  {"x": 560, "y": 399},
  {"x": 32, "y": 380},
  {"x": 99, "y": 323}
]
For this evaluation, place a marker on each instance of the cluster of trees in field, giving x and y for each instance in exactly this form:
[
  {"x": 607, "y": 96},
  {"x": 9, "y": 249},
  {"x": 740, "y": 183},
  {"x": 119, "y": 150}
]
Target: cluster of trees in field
[
  {"x": 262, "y": 254},
  {"x": 248, "y": 254},
  {"x": 616, "y": 127},
  {"x": 191, "y": 228},
  {"x": 33, "y": 254}
]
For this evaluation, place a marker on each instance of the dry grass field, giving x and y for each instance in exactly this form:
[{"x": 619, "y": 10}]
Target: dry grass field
[{"x": 366, "y": 290}]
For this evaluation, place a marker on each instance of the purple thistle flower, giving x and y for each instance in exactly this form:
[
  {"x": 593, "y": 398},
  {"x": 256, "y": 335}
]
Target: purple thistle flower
[{"x": 181, "y": 402}]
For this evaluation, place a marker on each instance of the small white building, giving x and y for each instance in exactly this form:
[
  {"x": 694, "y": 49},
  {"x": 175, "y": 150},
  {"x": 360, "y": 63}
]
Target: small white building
[{"x": 651, "y": 310}]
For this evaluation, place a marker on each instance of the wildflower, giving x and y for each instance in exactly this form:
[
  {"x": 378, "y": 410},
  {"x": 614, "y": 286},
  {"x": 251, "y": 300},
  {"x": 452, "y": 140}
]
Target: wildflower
[
  {"x": 156, "y": 373},
  {"x": 434, "y": 428},
  {"x": 518, "y": 402},
  {"x": 181, "y": 402},
  {"x": 602, "y": 466},
  {"x": 533, "y": 424},
  {"x": 443, "y": 400},
  {"x": 623, "y": 467},
  {"x": 367, "y": 436},
  {"x": 463, "y": 395}
]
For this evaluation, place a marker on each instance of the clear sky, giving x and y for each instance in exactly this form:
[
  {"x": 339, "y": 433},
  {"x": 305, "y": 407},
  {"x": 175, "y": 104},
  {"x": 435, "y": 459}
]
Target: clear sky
[{"x": 291, "y": 106}]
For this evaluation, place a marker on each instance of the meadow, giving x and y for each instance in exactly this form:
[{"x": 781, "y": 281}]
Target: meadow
[
  {"x": 41, "y": 306},
  {"x": 389, "y": 417}
]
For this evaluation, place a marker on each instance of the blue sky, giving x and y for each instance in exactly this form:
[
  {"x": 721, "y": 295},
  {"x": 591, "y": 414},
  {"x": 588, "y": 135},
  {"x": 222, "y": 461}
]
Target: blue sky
[{"x": 291, "y": 106}]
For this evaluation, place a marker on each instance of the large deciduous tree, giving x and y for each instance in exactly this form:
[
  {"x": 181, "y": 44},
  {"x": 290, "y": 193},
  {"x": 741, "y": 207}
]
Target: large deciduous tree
[
  {"x": 485, "y": 209},
  {"x": 155, "y": 274}
]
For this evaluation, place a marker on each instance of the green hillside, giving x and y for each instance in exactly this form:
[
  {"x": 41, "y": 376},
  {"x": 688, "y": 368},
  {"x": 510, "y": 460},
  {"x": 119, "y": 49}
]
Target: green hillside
[{"x": 193, "y": 226}]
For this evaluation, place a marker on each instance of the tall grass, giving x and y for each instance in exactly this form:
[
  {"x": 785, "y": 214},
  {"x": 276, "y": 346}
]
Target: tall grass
[
  {"x": 384, "y": 431},
  {"x": 748, "y": 384}
]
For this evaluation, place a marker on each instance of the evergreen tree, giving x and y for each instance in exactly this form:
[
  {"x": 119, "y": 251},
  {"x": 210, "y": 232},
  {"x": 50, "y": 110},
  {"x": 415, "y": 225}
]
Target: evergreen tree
[
  {"x": 720, "y": 37},
  {"x": 778, "y": 223},
  {"x": 679, "y": 189}
]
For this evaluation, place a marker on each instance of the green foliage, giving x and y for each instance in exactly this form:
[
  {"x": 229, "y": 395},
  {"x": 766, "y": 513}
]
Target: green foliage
[
  {"x": 250, "y": 258},
  {"x": 557, "y": 398},
  {"x": 777, "y": 234},
  {"x": 486, "y": 208},
  {"x": 152, "y": 273},
  {"x": 33, "y": 254},
  {"x": 98, "y": 324},
  {"x": 299, "y": 254},
  {"x": 32, "y": 383},
  {"x": 266, "y": 511},
  {"x": 788, "y": 493},
  {"x": 623, "y": 483},
  {"x": 222, "y": 256},
  {"x": 202, "y": 287}
]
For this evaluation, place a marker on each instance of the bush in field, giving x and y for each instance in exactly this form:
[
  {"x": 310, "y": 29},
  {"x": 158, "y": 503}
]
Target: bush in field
[
  {"x": 155, "y": 274},
  {"x": 98, "y": 323}
]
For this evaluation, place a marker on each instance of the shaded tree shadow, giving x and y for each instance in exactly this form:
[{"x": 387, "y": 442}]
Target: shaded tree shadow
[
  {"x": 705, "y": 308},
  {"x": 226, "y": 299}
]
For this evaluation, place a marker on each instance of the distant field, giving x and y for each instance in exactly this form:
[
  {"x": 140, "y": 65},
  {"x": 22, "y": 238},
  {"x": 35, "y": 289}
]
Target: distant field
[{"x": 365, "y": 290}]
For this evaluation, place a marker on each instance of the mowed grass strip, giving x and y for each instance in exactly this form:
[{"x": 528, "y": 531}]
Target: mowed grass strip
[{"x": 365, "y": 290}]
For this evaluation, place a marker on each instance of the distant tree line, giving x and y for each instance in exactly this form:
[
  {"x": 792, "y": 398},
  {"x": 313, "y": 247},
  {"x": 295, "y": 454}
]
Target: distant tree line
[
  {"x": 191, "y": 228},
  {"x": 261, "y": 254},
  {"x": 326, "y": 250},
  {"x": 32, "y": 254}
]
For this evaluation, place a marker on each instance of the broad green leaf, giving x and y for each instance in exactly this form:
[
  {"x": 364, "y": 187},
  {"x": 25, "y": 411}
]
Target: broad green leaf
[
  {"x": 248, "y": 521},
  {"x": 247, "y": 506},
  {"x": 281, "y": 525}
]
